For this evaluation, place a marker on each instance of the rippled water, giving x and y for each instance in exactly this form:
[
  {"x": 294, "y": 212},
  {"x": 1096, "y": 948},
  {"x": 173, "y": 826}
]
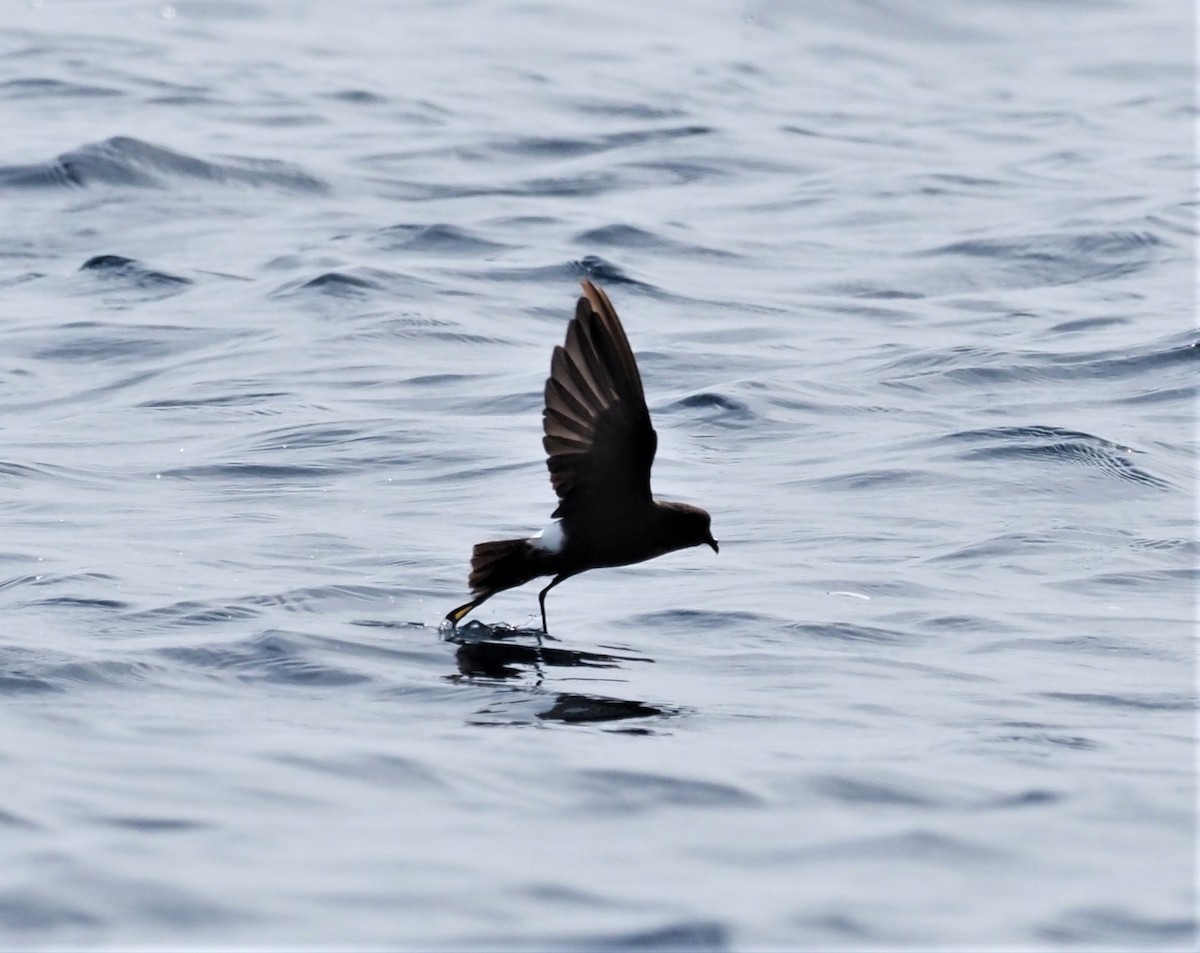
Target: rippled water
[{"x": 912, "y": 291}]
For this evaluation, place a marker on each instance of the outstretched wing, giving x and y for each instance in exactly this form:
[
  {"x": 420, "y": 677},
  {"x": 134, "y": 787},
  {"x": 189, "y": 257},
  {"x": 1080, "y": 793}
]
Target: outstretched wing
[{"x": 598, "y": 437}]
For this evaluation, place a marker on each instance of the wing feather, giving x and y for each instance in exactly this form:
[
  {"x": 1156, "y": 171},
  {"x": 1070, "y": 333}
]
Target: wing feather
[{"x": 598, "y": 439}]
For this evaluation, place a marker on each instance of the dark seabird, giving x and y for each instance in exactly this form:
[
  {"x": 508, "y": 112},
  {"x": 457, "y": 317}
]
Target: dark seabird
[{"x": 599, "y": 448}]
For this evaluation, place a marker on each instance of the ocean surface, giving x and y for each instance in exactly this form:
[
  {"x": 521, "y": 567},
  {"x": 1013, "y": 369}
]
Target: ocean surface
[{"x": 912, "y": 288}]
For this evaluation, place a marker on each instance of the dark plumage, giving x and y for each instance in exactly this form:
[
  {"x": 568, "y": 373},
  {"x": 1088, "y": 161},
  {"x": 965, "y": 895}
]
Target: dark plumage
[{"x": 599, "y": 447}]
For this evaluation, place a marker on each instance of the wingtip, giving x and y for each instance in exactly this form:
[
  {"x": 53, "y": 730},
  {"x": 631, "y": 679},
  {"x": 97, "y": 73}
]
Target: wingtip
[
  {"x": 588, "y": 303},
  {"x": 596, "y": 298}
]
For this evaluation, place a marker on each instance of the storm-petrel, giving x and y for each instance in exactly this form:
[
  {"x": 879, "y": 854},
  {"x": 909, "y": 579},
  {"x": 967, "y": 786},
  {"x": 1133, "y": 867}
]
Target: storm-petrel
[{"x": 599, "y": 448}]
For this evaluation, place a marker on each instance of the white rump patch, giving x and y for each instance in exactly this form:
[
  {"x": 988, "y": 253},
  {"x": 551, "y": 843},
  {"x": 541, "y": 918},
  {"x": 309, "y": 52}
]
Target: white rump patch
[{"x": 550, "y": 540}]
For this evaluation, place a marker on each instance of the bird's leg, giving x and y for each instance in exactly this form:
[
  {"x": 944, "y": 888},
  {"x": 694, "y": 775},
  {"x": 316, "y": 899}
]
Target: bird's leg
[
  {"x": 542, "y": 599},
  {"x": 454, "y": 616}
]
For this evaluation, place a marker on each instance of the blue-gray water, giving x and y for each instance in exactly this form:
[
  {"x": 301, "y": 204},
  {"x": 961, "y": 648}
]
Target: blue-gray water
[{"x": 911, "y": 286}]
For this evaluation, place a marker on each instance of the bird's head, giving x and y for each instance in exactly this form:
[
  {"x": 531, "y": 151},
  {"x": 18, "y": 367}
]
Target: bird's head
[{"x": 690, "y": 526}]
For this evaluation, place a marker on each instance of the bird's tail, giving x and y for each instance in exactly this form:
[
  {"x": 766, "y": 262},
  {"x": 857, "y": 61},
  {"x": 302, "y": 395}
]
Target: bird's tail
[
  {"x": 502, "y": 564},
  {"x": 495, "y": 566}
]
